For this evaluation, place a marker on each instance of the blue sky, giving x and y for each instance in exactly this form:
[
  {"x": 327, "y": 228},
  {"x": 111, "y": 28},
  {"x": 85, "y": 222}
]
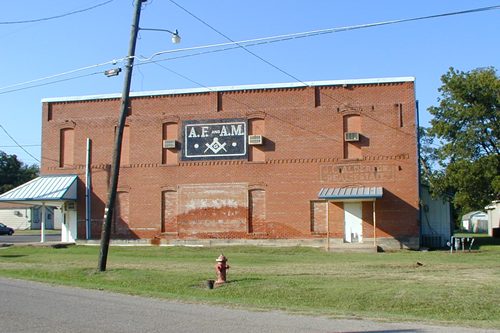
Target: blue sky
[{"x": 423, "y": 49}]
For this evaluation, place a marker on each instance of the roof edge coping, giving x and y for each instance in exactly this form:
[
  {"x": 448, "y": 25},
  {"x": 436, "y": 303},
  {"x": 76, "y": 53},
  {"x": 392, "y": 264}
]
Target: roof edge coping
[{"x": 233, "y": 88}]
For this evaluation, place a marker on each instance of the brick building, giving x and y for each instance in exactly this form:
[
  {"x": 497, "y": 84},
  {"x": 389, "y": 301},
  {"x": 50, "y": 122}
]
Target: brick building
[{"x": 331, "y": 163}]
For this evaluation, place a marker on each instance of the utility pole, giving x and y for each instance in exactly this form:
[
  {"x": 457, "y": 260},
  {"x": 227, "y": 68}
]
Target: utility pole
[{"x": 115, "y": 164}]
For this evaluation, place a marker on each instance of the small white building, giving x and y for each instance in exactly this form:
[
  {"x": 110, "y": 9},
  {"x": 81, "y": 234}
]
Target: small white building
[
  {"x": 476, "y": 221},
  {"x": 493, "y": 211},
  {"x": 28, "y": 217},
  {"x": 54, "y": 196},
  {"x": 17, "y": 217},
  {"x": 435, "y": 219}
]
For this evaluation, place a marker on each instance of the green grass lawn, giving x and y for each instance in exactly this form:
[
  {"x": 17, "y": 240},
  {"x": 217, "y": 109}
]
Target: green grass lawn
[{"x": 458, "y": 288}]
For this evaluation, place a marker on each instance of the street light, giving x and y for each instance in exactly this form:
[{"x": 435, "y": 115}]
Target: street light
[
  {"x": 115, "y": 163},
  {"x": 176, "y": 38}
]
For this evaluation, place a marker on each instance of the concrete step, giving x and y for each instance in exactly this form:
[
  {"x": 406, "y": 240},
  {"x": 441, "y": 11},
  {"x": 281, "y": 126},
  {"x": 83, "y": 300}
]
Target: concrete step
[{"x": 353, "y": 247}]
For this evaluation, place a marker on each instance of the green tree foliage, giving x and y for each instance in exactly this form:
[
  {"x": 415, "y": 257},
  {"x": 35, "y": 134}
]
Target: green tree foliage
[
  {"x": 428, "y": 155},
  {"x": 13, "y": 172},
  {"x": 467, "y": 125}
]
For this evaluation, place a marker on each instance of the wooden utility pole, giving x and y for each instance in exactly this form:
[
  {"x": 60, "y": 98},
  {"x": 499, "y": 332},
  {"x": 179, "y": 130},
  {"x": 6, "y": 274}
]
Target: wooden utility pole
[{"x": 115, "y": 164}]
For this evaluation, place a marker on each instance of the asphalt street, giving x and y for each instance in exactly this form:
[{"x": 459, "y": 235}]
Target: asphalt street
[
  {"x": 33, "y": 238},
  {"x": 36, "y": 307}
]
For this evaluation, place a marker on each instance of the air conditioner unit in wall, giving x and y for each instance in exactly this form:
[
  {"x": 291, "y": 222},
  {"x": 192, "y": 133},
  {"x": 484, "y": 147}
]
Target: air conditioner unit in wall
[
  {"x": 70, "y": 205},
  {"x": 169, "y": 144},
  {"x": 351, "y": 136},
  {"x": 255, "y": 140}
]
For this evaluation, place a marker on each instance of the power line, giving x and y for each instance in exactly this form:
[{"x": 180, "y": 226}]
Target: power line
[
  {"x": 240, "y": 45},
  {"x": 251, "y": 42},
  {"x": 325, "y": 31},
  {"x": 281, "y": 38},
  {"x": 248, "y": 51},
  {"x": 14, "y": 140},
  {"x": 62, "y": 74},
  {"x": 49, "y": 83},
  {"x": 57, "y": 16},
  {"x": 21, "y": 145}
]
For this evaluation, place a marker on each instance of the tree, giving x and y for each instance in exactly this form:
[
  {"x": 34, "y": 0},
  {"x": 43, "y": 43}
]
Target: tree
[
  {"x": 467, "y": 125},
  {"x": 13, "y": 172}
]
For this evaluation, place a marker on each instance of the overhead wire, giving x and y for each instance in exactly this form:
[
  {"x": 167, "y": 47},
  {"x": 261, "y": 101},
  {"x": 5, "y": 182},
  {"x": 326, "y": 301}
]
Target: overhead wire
[
  {"x": 114, "y": 61},
  {"x": 240, "y": 45},
  {"x": 51, "y": 82},
  {"x": 56, "y": 16},
  {"x": 249, "y": 42},
  {"x": 21, "y": 145},
  {"x": 285, "y": 37},
  {"x": 17, "y": 144}
]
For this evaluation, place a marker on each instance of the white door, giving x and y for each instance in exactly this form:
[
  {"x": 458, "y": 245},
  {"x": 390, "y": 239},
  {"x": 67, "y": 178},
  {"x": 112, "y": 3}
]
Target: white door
[
  {"x": 353, "y": 229},
  {"x": 68, "y": 226}
]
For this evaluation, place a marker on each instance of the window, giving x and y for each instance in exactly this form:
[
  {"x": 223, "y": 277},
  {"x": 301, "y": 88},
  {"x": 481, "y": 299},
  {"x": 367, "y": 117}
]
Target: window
[
  {"x": 352, "y": 124},
  {"x": 256, "y": 153},
  {"x": 169, "y": 155},
  {"x": 319, "y": 216},
  {"x": 169, "y": 211},
  {"x": 66, "y": 147},
  {"x": 257, "y": 211},
  {"x": 125, "y": 156},
  {"x": 121, "y": 215}
]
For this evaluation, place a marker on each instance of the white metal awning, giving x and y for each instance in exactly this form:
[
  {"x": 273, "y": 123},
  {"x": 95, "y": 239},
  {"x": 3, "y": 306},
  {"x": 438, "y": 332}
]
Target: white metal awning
[
  {"x": 51, "y": 190},
  {"x": 351, "y": 193}
]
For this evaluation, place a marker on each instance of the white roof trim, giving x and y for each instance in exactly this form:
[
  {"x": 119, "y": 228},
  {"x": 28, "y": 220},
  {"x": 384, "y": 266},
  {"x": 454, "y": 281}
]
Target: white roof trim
[
  {"x": 44, "y": 188},
  {"x": 233, "y": 88}
]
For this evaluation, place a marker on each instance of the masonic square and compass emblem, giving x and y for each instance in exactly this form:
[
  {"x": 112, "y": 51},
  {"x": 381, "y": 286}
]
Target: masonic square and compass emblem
[{"x": 218, "y": 139}]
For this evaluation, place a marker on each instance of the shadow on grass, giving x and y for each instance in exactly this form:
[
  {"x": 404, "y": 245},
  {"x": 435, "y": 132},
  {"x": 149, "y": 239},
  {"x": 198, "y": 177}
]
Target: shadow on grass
[
  {"x": 479, "y": 239},
  {"x": 209, "y": 284},
  {"x": 488, "y": 241},
  {"x": 245, "y": 280},
  {"x": 12, "y": 255}
]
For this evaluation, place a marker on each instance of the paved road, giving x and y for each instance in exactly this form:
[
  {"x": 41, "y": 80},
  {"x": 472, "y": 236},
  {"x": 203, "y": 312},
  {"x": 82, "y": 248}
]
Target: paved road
[
  {"x": 35, "y": 238},
  {"x": 36, "y": 307}
]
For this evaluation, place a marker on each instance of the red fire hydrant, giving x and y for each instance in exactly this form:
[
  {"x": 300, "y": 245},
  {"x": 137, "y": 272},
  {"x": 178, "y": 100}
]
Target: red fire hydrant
[{"x": 220, "y": 269}]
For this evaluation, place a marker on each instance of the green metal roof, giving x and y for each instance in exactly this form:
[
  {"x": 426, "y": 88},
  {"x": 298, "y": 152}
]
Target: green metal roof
[{"x": 44, "y": 188}]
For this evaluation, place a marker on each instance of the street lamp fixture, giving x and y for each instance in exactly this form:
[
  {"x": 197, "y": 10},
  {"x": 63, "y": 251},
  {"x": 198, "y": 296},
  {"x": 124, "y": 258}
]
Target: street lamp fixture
[{"x": 176, "y": 38}]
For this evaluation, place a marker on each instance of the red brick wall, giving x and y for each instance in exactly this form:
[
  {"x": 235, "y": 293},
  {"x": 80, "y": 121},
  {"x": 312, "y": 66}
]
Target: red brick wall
[
  {"x": 257, "y": 212},
  {"x": 67, "y": 148},
  {"x": 303, "y": 152},
  {"x": 213, "y": 210}
]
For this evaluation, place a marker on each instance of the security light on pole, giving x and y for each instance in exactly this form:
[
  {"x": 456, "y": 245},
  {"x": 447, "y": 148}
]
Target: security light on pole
[{"x": 176, "y": 38}]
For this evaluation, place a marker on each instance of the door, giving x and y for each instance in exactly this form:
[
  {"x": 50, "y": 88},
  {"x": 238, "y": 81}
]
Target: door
[
  {"x": 68, "y": 226},
  {"x": 353, "y": 229}
]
